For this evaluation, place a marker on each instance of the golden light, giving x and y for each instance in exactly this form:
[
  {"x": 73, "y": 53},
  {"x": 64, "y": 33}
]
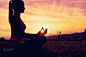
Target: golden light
[{"x": 42, "y": 31}]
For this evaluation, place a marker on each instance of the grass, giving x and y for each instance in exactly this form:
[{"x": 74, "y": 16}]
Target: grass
[
  {"x": 65, "y": 48},
  {"x": 59, "y": 48}
]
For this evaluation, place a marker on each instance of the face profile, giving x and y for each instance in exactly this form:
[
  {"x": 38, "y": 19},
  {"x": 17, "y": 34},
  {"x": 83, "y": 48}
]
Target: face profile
[
  {"x": 21, "y": 8},
  {"x": 17, "y": 6}
]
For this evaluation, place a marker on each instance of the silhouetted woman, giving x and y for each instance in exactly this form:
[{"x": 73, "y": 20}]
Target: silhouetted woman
[{"x": 18, "y": 27}]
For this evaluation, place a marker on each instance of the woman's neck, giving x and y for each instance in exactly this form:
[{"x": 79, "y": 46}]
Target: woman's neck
[{"x": 17, "y": 13}]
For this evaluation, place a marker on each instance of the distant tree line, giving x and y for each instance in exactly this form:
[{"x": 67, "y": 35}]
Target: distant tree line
[
  {"x": 2, "y": 39},
  {"x": 61, "y": 37}
]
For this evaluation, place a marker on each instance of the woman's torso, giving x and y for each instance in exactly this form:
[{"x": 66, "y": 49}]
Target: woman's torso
[{"x": 15, "y": 39}]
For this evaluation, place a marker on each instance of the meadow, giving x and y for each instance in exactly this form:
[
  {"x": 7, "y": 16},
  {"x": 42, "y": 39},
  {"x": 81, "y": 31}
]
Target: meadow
[
  {"x": 65, "y": 48},
  {"x": 59, "y": 48}
]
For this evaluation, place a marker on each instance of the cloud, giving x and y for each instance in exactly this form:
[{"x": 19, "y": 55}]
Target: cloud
[
  {"x": 67, "y": 7},
  {"x": 5, "y": 30},
  {"x": 4, "y": 5}
]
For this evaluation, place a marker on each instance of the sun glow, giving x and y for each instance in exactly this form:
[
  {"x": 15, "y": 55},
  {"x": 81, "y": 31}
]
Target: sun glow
[{"x": 42, "y": 31}]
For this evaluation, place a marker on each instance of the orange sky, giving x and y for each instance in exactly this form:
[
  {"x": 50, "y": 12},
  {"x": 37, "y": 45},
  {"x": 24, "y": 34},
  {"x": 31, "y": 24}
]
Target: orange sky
[{"x": 61, "y": 15}]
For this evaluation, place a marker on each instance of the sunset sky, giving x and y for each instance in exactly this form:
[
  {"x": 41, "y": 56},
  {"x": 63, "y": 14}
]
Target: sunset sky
[{"x": 55, "y": 15}]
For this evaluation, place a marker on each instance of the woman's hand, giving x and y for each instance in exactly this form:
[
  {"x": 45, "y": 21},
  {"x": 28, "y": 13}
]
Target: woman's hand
[{"x": 41, "y": 33}]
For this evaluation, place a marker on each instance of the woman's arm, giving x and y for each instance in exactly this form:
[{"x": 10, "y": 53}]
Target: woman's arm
[{"x": 27, "y": 35}]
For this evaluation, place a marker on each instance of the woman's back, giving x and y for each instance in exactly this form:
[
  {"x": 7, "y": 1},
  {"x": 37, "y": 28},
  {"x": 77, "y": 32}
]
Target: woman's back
[{"x": 15, "y": 38}]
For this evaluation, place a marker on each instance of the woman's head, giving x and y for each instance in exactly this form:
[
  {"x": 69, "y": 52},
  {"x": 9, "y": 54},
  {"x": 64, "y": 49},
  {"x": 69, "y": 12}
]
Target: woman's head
[
  {"x": 18, "y": 5},
  {"x": 15, "y": 5}
]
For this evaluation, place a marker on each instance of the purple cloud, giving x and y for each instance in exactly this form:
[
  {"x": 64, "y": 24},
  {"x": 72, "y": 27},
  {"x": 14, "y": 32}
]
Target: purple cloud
[{"x": 4, "y": 5}]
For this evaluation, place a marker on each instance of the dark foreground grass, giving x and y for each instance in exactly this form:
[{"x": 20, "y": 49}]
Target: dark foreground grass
[{"x": 58, "y": 49}]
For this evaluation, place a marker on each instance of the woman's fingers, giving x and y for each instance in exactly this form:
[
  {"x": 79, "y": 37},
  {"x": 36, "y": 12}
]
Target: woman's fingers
[
  {"x": 42, "y": 34},
  {"x": 45, "y": 31}
]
